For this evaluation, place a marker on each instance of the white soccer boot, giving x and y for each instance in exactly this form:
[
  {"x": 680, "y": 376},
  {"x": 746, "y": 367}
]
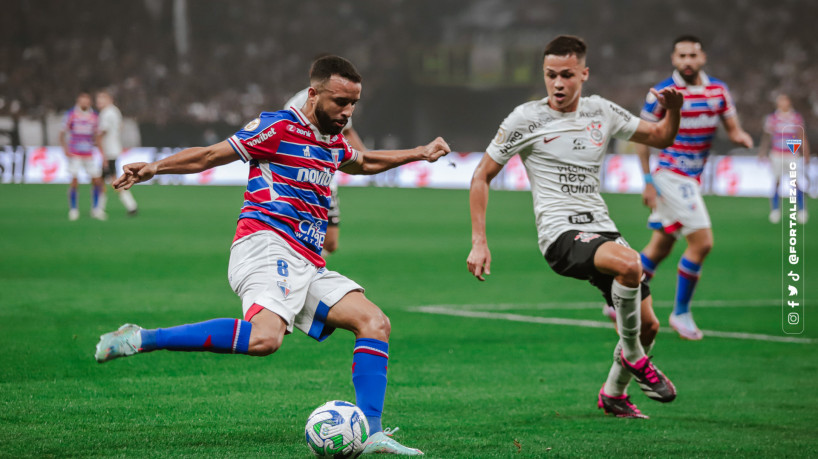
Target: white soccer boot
[
  {"x": 684, "y": 325},
  {"x": 74, "y": 214},
  {"x": 99, "y": 214},
  {"x": 121, "y": 343},
  {"x": 382, "y": 442}
]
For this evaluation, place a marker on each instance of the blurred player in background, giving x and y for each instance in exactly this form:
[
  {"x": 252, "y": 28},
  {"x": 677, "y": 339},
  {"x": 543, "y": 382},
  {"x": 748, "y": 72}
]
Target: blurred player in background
[
  {"x": 562, "y": 141},
  {"x": 275, "y": 260},
  {"x": 785, "y": 123},
  {"x": 109, "y": 139},
  {"x": 673, "y": 191},
  {"x": 78, "y": 138},
  {"x": 333, "y": 227}
]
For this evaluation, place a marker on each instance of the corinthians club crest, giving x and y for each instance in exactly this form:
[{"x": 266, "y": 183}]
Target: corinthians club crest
[{"x": 595, "y": 133}]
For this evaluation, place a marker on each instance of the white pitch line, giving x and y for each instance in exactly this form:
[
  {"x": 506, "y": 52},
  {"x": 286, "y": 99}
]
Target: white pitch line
[
  {"x": 598, "y": 305},
  {"x": 445, "y": 310}
]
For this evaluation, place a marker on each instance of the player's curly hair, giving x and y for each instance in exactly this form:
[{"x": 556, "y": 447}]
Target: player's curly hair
[
  {"x": 687, "y": 39},
  {"x": 566, "y": 45},
  {"x": 325, "y": 67}
]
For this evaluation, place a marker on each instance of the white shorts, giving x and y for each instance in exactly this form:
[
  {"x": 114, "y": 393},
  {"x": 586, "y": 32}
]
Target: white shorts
[
  {"x": 87, "y": 163},
  {"x": 265, "y": 272},
  {"x": 680, "y": 209},
  {"x": 781, "y": 164}
]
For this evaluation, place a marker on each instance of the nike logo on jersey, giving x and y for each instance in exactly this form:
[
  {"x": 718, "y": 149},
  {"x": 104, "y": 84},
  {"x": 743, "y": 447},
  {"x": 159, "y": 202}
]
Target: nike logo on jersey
[{"x": 544, "y": 140}]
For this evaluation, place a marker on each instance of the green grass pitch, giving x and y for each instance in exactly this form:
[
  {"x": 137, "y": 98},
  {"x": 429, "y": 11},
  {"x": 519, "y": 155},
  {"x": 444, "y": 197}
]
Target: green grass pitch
[{"x": 458, "y": 386}]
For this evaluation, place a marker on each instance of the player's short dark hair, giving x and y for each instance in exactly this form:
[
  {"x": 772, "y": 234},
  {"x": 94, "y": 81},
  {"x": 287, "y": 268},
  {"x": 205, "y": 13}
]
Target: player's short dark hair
[
  {"x": 325, "y": 67},
  {"x": 566, "y": 45},
  {"x": 687, "y": 39}
]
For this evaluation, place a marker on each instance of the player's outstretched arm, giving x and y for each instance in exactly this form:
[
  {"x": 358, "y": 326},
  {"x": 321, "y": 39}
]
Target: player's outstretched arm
[
  {"x": 662, "y": 133},
  {"x": 187, "y": 161},
  {"x": 375, "y": 161},
  {"x": 479, "y": 259}
]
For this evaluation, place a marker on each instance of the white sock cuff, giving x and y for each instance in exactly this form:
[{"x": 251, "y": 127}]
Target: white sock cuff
[{"x": 624, "y": 292}]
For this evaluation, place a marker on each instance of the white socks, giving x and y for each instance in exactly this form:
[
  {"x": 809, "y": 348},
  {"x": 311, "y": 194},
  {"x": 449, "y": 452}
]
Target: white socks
[
  {"x": 627, "y": 302},
  {"x": 127, "y": 200},
  {"x": 619, "y": 377}
]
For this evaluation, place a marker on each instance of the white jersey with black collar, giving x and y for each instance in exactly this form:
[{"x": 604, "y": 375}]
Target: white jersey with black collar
[{"x": 563, "y": 155}]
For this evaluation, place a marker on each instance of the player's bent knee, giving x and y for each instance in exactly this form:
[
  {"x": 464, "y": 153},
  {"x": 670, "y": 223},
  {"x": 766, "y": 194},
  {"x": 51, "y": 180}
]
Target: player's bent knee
[
  {"x": 650, "y": 327},
  {"x": 630, "y": 271},
  {"x": 376, "y": 325},
  {"x": 264, "y": 344}
]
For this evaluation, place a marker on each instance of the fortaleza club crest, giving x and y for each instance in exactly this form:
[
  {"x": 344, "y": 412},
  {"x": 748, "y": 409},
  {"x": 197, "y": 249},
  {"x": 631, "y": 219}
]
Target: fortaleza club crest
[
  {"x": 285, "y": 288},
  {"x": 595, "y": 132},
  {"x": 793, "y": 145}
]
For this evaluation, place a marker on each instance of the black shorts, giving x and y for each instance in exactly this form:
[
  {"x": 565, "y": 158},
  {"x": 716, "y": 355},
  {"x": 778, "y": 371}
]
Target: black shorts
[
  {"x": 109, "y": 169},
  {"x": 572, "y": 255}
]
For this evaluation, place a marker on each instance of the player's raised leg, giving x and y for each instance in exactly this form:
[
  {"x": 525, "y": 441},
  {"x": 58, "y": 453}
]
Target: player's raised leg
[
  {"x": 613, "y": 397},
  {"x": 624, "y": 264},
  {"x": 261, "y": 336},
  {"x": 354, "y": 312}
]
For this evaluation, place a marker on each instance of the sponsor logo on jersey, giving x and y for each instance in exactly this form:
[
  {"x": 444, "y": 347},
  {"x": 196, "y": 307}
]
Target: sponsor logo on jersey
[
  {"x": 585, "y": 237},
  {"x": 318, "y": 177},
  {"x": 579, "y": 144},
  {"x": 698, "y": 122},
  {"x": 298, "y": 130},
  {"x": 264, "y": 135},
  {"x": 536, "y": 124},
  {"x": 515, "y": 137},
  {"x": 311, "y": 232},
  {"x": 252, "y": 125},
  {"x": 793, "y": 145},
  {"x": 624, "y": 114},
  {"x": 546, "y": 140},
  {"x": 593, "y": 114},
  {"x": 581, "y": 218},
  {"x": 573, "y": 179},
  {"x": 595, "y": 131}
]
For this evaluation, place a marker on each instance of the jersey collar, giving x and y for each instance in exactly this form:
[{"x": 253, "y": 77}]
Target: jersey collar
[
  {"x": 560, "y": 114},
  {"x": 680, "y": 82},
  {"x": 302, "y": 118}
]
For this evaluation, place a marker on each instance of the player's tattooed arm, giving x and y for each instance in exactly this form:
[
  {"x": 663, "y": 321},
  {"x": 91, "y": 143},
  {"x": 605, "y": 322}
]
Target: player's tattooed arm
[
  {"x": 479, "y": 259},
  {"x": 187, "y": 161},
  {"x": 662, "y": 133},
  {"x": 375, "y": 161}
]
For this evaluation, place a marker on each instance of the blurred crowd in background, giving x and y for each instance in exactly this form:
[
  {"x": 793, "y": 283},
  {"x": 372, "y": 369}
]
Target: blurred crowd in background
[{"x": 193, "y": 72}]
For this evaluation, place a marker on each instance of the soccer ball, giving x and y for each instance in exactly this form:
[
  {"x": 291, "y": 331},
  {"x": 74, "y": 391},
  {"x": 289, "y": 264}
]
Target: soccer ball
[{"x": 337, "y": 429}]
